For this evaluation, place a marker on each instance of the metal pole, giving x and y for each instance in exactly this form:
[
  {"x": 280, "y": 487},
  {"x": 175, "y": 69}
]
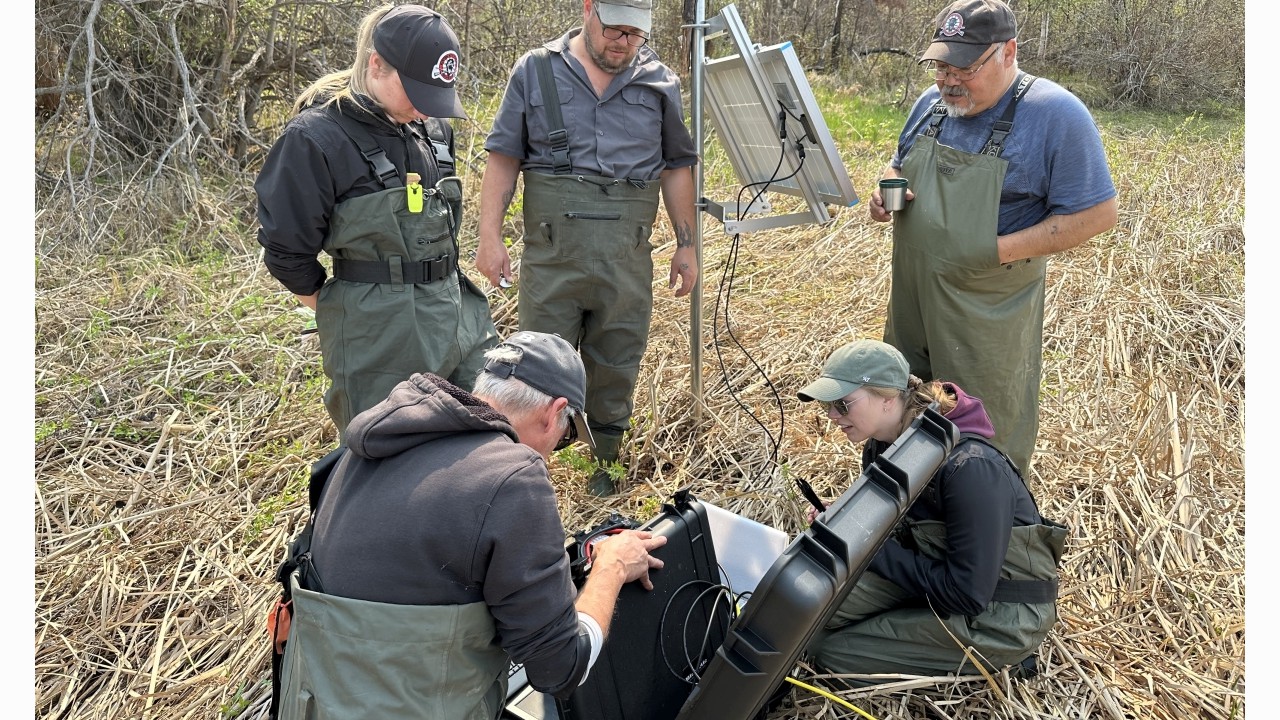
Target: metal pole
[{"x": 698, "y": 43}]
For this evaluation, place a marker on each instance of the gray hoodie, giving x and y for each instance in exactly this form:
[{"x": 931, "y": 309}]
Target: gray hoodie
[{"x": 439, "y": 504}]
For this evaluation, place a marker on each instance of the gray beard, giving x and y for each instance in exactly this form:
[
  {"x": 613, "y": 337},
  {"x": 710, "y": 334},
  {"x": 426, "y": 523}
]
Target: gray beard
[{"x": 958, "y": 111}]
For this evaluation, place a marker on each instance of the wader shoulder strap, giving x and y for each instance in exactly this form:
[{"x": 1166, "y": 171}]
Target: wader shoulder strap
[
  {"x": 934, "y": 118},
  {"x": 374, "y": 155},
  {"x": 1004, "y": 126},
  {"x": 1008, "y": 461},
  {"x": 999, "y": 131},
  {"x": 320, "y": 472},
  {"x": 440, "y": 134},
  {"x": 985, "y": 441},
  {"x": 557, "y": 135}
]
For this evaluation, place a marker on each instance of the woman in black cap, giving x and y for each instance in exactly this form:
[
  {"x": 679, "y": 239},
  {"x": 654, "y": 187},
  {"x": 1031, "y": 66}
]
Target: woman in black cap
[
  {"x": 971, "y": 574},
  {"x": 365, "y": 173}
]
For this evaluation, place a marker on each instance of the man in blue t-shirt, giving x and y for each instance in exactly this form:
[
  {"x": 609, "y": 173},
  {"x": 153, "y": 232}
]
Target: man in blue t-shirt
[{"x": 1004, "y": 169}]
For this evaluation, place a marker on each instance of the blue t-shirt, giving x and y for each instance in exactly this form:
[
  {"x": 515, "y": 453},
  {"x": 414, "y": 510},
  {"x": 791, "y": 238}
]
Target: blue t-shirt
[{"x": 1056, "y": 162}]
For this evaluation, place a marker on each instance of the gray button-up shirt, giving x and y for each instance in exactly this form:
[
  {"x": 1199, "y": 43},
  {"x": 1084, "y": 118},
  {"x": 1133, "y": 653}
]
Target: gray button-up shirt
[{"x": 635, "y": 130}]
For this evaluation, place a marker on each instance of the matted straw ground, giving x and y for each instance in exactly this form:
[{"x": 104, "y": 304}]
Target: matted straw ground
[{"x": 177, "y": 409}]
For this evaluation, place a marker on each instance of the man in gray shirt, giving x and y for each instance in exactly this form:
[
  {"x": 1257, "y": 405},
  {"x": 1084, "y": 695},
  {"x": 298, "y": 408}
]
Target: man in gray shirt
[{"x": 591, "y": 187}]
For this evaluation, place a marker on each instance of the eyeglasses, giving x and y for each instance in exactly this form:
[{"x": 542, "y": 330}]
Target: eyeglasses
[
  {"x": 841, "y": 406},
  {"x": 941, "y": 73},
  {"x": 570, "y": 436},
  {"x": 613, "y": 32}
]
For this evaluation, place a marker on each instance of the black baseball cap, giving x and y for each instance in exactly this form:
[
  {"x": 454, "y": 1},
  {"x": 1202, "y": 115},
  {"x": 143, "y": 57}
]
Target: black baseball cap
[
  {"x": 421, "y": 46},
  {"x": 549, "y": 364},
  {"x": 966, "y": 28}
]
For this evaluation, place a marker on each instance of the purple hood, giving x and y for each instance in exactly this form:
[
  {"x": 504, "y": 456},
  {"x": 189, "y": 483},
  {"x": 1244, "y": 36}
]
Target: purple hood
[{"x": 969, "y": 415}]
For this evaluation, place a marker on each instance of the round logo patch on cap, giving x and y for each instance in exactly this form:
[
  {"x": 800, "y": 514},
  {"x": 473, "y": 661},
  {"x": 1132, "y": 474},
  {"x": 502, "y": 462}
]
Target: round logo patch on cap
[
  {"x": 952, "y": 26},
  {"x": 446, "y": 68}
]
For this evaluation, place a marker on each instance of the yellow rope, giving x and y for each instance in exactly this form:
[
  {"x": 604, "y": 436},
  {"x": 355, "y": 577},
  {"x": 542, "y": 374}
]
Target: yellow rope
[{"x": 831, "y": 697}]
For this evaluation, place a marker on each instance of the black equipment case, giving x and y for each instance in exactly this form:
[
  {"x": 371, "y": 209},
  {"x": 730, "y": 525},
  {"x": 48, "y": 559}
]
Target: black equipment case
[
  {"x": 669, "y": 654},
  {"x": 659, "y": 640}
]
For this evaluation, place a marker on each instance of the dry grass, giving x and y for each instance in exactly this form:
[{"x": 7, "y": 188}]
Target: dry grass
[{"x": 177, "y": 410}]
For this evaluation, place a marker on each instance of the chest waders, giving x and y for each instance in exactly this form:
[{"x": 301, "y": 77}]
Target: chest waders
[
  {"x": 339, "y": 654},
  {"x": 587, "y": 276},
  {"x": 881, "y": 628},
  {"x": 352, "y": 659},
  {"x": 397, "y": 303},
  {"x": 955, "y": 311}
]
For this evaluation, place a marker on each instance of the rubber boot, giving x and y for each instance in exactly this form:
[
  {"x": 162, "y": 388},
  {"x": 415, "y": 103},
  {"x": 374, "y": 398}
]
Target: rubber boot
[{"x": 601, "y": 483}]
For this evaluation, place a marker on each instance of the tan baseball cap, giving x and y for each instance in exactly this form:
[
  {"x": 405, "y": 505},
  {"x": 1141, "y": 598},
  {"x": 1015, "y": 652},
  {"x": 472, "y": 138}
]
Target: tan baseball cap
[{"x": 861, "y": 362}]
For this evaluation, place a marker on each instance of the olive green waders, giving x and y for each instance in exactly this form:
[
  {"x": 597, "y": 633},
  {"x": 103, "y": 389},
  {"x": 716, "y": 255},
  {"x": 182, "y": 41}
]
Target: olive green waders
[
  {"x": 587, "y": 276},
  {"x": 875, "y": 630},
  {"x": 398, "y": 304},
  {"x": 350, "y": 659},
  {"x": 955, "y": 312}
]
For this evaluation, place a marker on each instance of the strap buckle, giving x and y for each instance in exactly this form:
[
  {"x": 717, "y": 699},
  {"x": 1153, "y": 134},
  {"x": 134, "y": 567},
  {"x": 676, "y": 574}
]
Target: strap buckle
[
  {"x": 560, "y": 151},
  {"x": 436, "y": 268}
]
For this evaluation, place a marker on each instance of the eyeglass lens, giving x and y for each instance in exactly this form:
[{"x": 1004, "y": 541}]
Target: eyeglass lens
[
  {"x": 611, "y": 32},
  {"x": 961, "y": 73},
  {"x": 570, "y": 436},
  {"x": 840, "y": 406}
]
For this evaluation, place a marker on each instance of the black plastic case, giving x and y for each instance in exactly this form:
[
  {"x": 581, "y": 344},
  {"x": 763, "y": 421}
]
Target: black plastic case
[
  {"x": 659, "y": 640},
  {"x": 804, "y": 587}
]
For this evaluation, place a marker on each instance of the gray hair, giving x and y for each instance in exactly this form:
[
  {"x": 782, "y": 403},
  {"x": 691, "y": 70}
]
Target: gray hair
[
  {"x": 511, "y": 395},
  {"x": 998, "y": 55}
]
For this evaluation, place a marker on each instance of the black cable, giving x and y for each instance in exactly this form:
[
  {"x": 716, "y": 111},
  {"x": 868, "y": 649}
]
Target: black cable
[
  {"x": 726, "y": 289},
  {"x": 721, "y": 591},
  {"x": 804, "y": 124},
  {"x": 662, "y": 623}
]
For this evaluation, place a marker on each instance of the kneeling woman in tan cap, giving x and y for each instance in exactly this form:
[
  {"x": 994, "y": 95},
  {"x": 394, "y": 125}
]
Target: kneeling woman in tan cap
[{"x": 970, "y": 576}]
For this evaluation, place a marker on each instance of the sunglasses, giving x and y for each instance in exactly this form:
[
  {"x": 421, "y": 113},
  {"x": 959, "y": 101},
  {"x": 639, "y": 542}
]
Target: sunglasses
[
  {"x": 570, "y": 436},
  {"x": 841, "y": 406}
]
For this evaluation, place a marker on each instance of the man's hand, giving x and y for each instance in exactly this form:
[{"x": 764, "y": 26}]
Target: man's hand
[
  {"x": 684, "y": 267},
  {"x": 494, "y": 262},
  {"x": 496, "y": 192},
  {"x": 629, "y": 550},
  {"x": 876, "y": 206}
]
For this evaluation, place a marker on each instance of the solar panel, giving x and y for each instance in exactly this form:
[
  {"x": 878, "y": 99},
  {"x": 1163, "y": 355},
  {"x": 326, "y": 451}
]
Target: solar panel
[{"x": 772, "y": 129}]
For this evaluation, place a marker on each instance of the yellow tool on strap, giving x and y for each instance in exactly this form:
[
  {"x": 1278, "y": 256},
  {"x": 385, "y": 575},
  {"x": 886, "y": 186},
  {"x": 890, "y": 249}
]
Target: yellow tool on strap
[{"x": 413, "y": 192}]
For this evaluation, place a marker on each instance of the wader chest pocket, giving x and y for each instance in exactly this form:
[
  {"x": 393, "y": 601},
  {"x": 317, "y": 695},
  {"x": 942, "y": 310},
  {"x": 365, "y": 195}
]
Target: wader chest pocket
[{"x": 572, "y": 215}]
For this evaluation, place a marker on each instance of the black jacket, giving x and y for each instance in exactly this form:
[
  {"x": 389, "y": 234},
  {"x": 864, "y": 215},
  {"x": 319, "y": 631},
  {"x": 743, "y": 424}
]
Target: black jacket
[
  {"x": 980, "y": 498},
  {"x": 313, "y": 166}
]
